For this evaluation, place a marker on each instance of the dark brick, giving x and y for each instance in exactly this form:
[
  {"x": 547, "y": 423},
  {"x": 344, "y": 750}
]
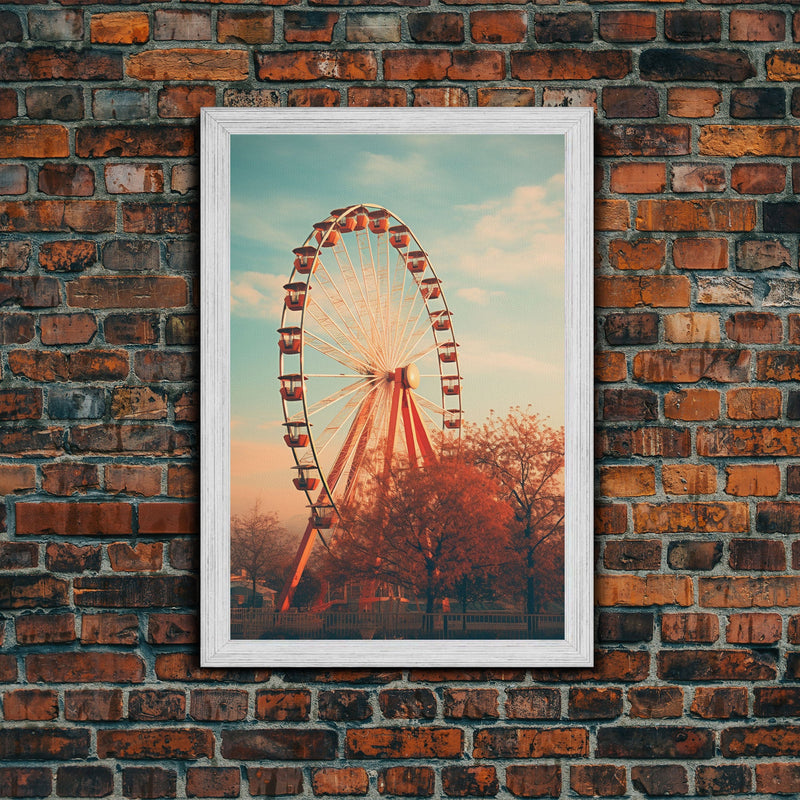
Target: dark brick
[
  {"x": 44, "y": 744},
  {"x": 84, "y": 781},
  {"x": 255, "y": 744},
  {"x": 716, "y": 665},
  {"x": 275, "y": 781},
  {"x": 10, "y": 27},
  {"x": 654, "y": 742},
  {"x": 54, "y": 102},
  {"x": 25, "y": 781},
  {"x": 149, "y": 782},
  {"x": 470, "y": 781},
  {"x": 615, "y": 626},
  {"x": 723, "y": 779},
  {"x": 758, "y": 103},
  {"x": 691, "y": 555},
  {"x": 781, "y": 217},
  {"x": 692, "y": 26},
  {"x": 407, "y": 703},
  {"x": 344, "y": 705},
  {"x": 674, "y": 64},
  {"x": 571, "y": 27},
  {"x": 136, "y": 592},
  {"x": 663, "y": 780},
  {"x": 436, "y": 27}
]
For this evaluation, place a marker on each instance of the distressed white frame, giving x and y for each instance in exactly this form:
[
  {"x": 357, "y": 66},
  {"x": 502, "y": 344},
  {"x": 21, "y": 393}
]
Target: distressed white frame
[{"x": 217, "y": 649}]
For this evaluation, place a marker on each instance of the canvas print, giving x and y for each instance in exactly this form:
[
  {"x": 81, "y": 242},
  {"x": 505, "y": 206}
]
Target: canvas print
[{"x": 397, "y": 374}]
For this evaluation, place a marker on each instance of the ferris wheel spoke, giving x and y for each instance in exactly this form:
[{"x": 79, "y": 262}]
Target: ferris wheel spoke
[
  {"x": 335, "y": 397},
  {"x": 372, "y": 286},
  {"x": 415, "y": 339},
  {"x": 429, "y": 405},
  {"x": 347, "y": 340},
  {"x": 341, "y": 419},
  {"x": 404, "y": 338},
  {"x": 407, "y": 357},
  {"x": 350, "y": 277},
  {"x": 336, "y": 353}
]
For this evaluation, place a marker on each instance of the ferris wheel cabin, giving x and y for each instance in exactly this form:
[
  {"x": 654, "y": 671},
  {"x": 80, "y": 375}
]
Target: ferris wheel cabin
[
  {"x": 296, "y": 434},
  {"x": 304, "y": 261},
  {"x": 291, "y": 387},
  {"x": 452, "y": 419},
  {"x": 295, "y": 296},
  {"x": 451, "y": 384},
  {"x": 417, "y": 262},
  {"x": 430, "y": 288},
  {"x": 323, "y": 516},
  {"x": 355, "y": 221},
  {"x": 447, "y": 352},
  {"x": 399, "y": 236},
  {"x": 321, "y": 229},
  {"x": 305, "y": 480},
  {"x": 441, "y": 320},
  {"x": 289, "y": 343},
  {"x": 378, "y": 221}
]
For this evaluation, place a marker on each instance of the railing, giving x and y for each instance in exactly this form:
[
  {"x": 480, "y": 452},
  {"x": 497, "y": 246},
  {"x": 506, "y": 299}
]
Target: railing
[{"x": 257, "y": 623}]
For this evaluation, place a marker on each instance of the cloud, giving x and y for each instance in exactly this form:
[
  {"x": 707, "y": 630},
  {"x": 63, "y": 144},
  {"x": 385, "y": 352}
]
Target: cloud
[
  {"x": 475, "y": 294},
  {"x": 378, "y": 169},
  {"x": 511, "y": 241},
  {"x": 257, "y": 295}
]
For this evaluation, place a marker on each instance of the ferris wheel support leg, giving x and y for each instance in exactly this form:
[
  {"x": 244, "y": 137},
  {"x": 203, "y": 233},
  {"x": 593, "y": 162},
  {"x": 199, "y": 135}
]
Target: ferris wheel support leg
[
  {"x": 298, "y": 565},
  {"x": 421, "y": 432},
  {"x": 397, "y": 391},
  {"x": 408, "y": 429}
]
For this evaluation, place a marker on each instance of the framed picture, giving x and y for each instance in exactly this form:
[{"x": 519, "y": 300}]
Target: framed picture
[{"x": 396, "y": 387}]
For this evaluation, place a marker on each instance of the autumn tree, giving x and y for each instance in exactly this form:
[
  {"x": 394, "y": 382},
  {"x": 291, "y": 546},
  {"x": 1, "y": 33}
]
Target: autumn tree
[
  {"x": 258, "y": 546},
  {"x": 525, "y": 456},
  {"x": 424, "y": 529}
]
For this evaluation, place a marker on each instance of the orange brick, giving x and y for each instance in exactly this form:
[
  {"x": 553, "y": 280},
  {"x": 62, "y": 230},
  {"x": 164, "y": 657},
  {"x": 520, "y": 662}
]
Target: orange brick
[
  {"x": 691, "y": 517},
  {"x": 611, "y": 215},
  {"x": 189, "y": 64},
  {"x": 753, "y": 628},
  {"x": 696, "y": 215},
  {"x": 757, "y": 26},
  {"x": 692, "y": 404},
  {"x": 687, "y": 327},
  {"x": 689, "y": 628},
  {"x": 627, "y": 481},
  {"x": 610, "y": 367},
  {"x": 346, "y": 780},
  {"x": 639, "y": 254},
  {"x": 638, "y": 178},
  {"x": 750, "y": 140},
  {"x": 693, "y": 103},
  {"x": 754, "y": 403},
  {"x": 760, "y": 480},
  {"x": 650, "y": 590},
  {"x": 700, "y": 254},
  {"x": 498, "y": 27},
  {"x": 658, "y": 291},
  {"x": 689, "y": 478},
  {"x": 691, "y": 365},
  {"x": 16, "y": 478},
  {"x": 123, "y": 27}
]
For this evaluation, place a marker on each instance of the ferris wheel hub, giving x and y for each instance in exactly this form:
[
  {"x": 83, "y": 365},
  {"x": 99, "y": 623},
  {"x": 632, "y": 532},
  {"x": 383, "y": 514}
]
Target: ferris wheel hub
[{"x": 411, "y": 376}]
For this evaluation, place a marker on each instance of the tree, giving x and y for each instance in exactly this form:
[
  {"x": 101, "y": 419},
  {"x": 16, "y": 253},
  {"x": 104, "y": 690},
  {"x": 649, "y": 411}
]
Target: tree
[
  {"x": 424, "y": 529},
  {"x": 258, "y": 546},
  {"x": 526, "y": 457}
]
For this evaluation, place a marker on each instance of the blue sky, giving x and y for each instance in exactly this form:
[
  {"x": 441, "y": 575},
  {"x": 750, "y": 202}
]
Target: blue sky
[{"x": 487, "y": 209}]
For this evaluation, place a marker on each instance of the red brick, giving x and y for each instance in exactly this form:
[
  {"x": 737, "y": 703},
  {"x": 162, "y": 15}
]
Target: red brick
[
  {"x": 309, "y": 65},
  {"x": 172, "y": 629},
  {"x": 135, "y": 141},
  {"x": 757, "y": 255},
  {"x": 630, "y": 590},
  {"x": 245, "y": 27},
  {"x": 506, "y": 97},
  {"x": 662, "y": 779},
  {"x": 283, "y": 705},
  {"x": 59, "y": 329},
  {"x": 595, "y": 703},
  {"x": 218, "y": 705},
  {"x": 753, "y": 629},
  {"x": 744, "y": 480},
  {"x": 274, "y": 781},
  {"x": 534, "y": 780},
  {"x": 470, "y": 781},
  {"x": 156, "y": 743},
  {"x": 470, "y": 703},
  {"x": 212, "y": 782},
  {"x": 132, "y": 480},
  {"x": 143, "y": 557},
  {"x": 569, "y": 64},
  {"x": 404, "y": 743},
  {"x": 66, "y": 180},
  {"x": 761, "y": 740},
  {"x": 73, "y": 519},
  {"x": 632, "y": 554},
  {"x": 109, "y": 629},
  {"x": 635, "y": 178},
  {"x": 131, "y": 328},
  {"x": 58, "y": 216},
  {"x": 656, "y": 702},
  {"x": 749, "y": 441},
  {"x": 689, "y": 366},
  {"x": 453, "y": 96},
  {"x": 530, "y": 742},
  {"x": 627, "y": 481},
  {"x": 630, "y": 102},
  {"x": 692, "y": 26},
  {"x": 127, "y": 292},
  {"x": 312, "y": 97},
  {"x": 170, "y": 518},
  {"x": 34, "y": 141},
  {"x": 693, "y": 103},
  {"x": 267, "y": 743},
  {"x": 149, "y": 782},
  {"x": 724, "y": 779},
  {"x": 178, "y": 666},
  {"x": 85, "y": 667},
  {"x": 720, "y": 702},
  {"x": 125, "y": 27},
  {"x": 597, "y": 780},
  {"x": 66, "y": 478},
  {"x": 159, "y": 218},
  {"x": 66, "y": 557},
  {"x": 20, "y": 403},
  {"x": 657, "y": 291},
  {"x": 757, "y": 555},
  {"x": 374, "y": 96},
  {"x": 610, "y": 367},
  {"x": 695, "y": 215},
  {"x": 754, "y": 403},
  {"x": 93, "y": 704},
  {"x": 757, "y": 26},
  {"x": 498, "y": 27},
  {"x": 611, "y": 215},
  {"x": 184, "y": 101},
  {"x": 138, "y": 402},
  {"x": 699, "y": 517},
  {"x": 536, "y": 703},
  {"x": 642, "y": 140},
  {"x": 758, "y": 178},
  {"x": 697, "y": 178},
  {"x": 342, "y": 781},
  {"x": 700, "y": 253},
  {"x": 747, "y": 592},
  {"x": 30, "y": 704},
  {"x": 751, "y": 327}
]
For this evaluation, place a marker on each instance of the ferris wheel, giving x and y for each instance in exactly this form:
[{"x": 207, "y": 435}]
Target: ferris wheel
[{"x": 368, "y": 363}]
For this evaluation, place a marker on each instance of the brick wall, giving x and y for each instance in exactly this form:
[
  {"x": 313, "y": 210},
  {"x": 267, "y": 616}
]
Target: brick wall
[{"x": 695, "y": 689}]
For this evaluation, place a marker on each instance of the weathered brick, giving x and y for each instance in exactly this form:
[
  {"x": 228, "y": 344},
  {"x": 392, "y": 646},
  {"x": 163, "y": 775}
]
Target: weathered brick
[
  {"x": 675, "y": 64},
  {"x": 172, "y": 629},
  {"x": 572, "y": 27},
  {"x": 597, "y": 780},
  {"x": 13, "y": 179},
  {"x": 155, "y": 743},
  {"x": 693, "y": 103},
  {"x": 595, "y": 703},
  {"x": 690, "y": 327},
  {"x": 757, "y": 26},
  {"x": 697, "y": 178},
  {"x": 632, "y": 554},
  {"x": 637, "y": 178},
  {"x": 120, "y": 27},
  {"x": 172, "y": 24},
  {"x": 470, "y": 703},
  {"x": 533, "y": 704},
  {"x": 255, "y": 744},
  {"x": 86, "y": 780},
  {"x": 142, "y": 557},
  {"x": 127, "y": 292},
  {"x": 695, "y": 215},
  {"x": 184, "y": 101},
  {"x": 628, "y": 404},
  {"x": 135, "y": 592},
  {"x": 30, "y": 704},
  {"x": 218, "y": 705},
  {"x": 199, "y": 64},
  {"x": 120, "y": 104},
  {"x": 93, "y": 704},
  {"x": 569, "y": 64},
  {"x": 665, "y": 780},
  {"x": 749, "y": 140},
  {"x": 757, "y": 629},
  {"x": 692, "y": 26},
  {"x": 109, "y": 629},
  {"x": 57, "y": 216},
  {"x": 744, "y": 480},
  {"x": 245, "y": 27},
  {"x": 32, "y": 591},
  {"x": 498, "y": 27},
  {"x": 758, "y": 178},
  {"x": 656, "y": 702},
  {"x": 694, "y": 555},
  {"x": 630, "y": 590},
  {"x": 741, "y": 592},
  {"x": 470, "y": 781},
  {"x": 307, "y": 65},
  {"x": 275, "y": 781},
  {"x": 85, "y": 667},
  {"x": 373, "y": 27},
  {"x": 503, "y": 742},
  {"x": 705, "y": 517},
  {"x": 67, "y": 478},
  {"x": 149, "y": 782},
  {"x": 213, "y": 782},
  {"x": 45, "y": 628},
  {"x": 283, "y": 705},
  {"x": 630, "y": 102},
  {"x": 49, "y": 63},
  {"x": 625, "y": 627},
  {"x": 657, "y": 291},
  {"x": 758, "y": 103},
  {"x": 67, "y": 557},
  {"x": 761, "y": 740},
  {"x": 534, "y": 780},
  {"x": 654, "y": 742},
  {"x": 754, "y": 403},
  {"x": 622, "y": 329},
  {"x": 44, "y": 743},
  {"x": 436, "y": 27},
  {"x": 754, "y": 328}
]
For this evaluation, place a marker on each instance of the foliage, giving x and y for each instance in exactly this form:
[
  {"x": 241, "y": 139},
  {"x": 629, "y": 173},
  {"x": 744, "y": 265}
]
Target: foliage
[
  {"x": 424, "y": 529},
  {"x": 525, "y": 456}
]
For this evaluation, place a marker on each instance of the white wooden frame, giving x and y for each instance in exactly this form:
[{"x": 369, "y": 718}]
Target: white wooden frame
[{"x": 217, "y": 648}]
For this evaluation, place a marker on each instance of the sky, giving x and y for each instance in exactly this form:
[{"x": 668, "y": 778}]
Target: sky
[{"x": 488, "y": 210}]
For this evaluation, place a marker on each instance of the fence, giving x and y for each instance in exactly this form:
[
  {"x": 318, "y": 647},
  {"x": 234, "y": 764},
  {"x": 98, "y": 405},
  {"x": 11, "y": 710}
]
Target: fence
[{"x": 257, "y": 623}]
